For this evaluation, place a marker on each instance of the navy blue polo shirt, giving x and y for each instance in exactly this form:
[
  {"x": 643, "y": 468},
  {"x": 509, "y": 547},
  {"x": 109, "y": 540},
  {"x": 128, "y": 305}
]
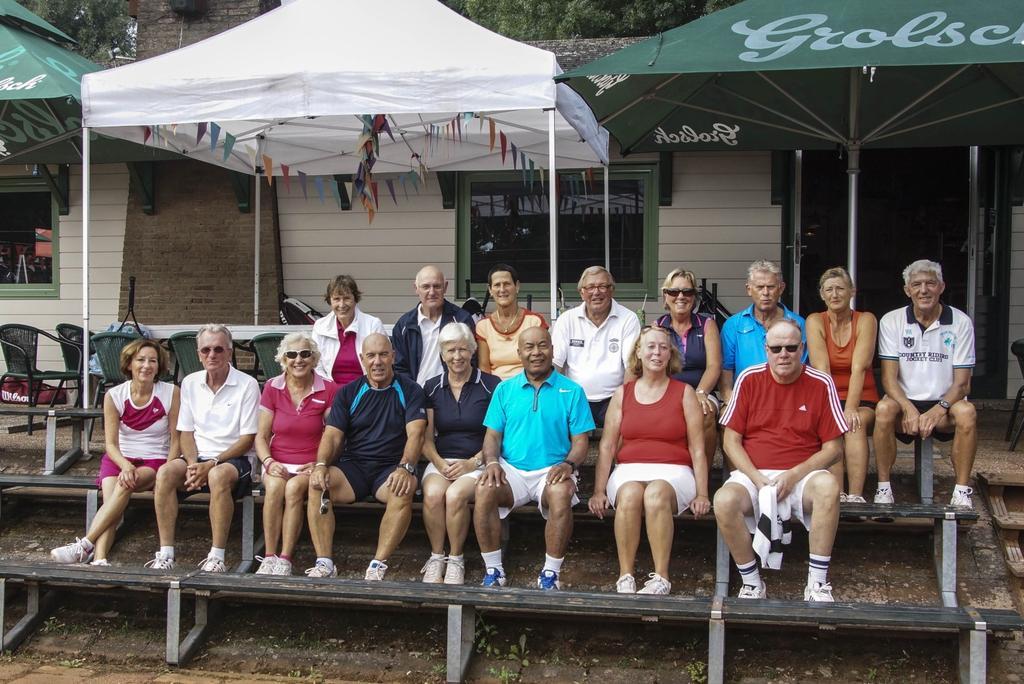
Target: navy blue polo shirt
[
  {"x": 374, "y": 420},
  {"x": 459, "y": 423}
]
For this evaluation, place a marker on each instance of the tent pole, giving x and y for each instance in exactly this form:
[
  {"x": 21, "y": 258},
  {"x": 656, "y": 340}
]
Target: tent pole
[
  {"x": 256, "y": 258},
  {"x": 83, "y": 389},
  {"x": 853, "y": 175},
  {"x": 553, "y": 213},
  {"x": 607, "y": 223}
]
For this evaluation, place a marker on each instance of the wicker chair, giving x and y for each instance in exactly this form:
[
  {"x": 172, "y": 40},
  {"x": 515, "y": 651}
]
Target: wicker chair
[{"x": 20, "y": 344}]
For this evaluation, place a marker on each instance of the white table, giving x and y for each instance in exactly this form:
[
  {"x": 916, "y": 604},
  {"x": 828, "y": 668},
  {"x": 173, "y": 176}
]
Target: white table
[{"x": 239, "y": 332}]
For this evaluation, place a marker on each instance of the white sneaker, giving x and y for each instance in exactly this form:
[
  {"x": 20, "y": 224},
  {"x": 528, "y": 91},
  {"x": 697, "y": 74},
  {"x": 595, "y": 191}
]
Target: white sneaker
[
  {"x": 884, "y": 496},
  {"x": 626, "y": 585},
  {"x": 100, "y": 563},
  {"x": 321, "y": 570},
  {"x": 816, "y": 592},
  {"x": 961, "y": 499},
  {"x": 71, "y": 553},
  {"x": 212, "y": 564},
  {"x": 855, "y": 498},
  {"x": 161, "y": 562},
  {"x": 433, "y": 571},
  {"x": 749, "y": 592},
  {"x": 656, "y": 585},
  {"x": 375, "y": 573},
  {"x": 843, "y": 497},
  {"x": 283, "y": 567},
  {"x": 268, "y": 565},
  {"x": 455, "y": 573}
]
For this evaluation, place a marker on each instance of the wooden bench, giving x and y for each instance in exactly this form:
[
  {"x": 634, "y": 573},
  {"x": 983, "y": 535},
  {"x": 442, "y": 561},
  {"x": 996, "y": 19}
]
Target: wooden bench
[
  {"x": 945, "y": 520},
  {"x": 60, "y": 415},
  {"x": 1005, "y": 495}
]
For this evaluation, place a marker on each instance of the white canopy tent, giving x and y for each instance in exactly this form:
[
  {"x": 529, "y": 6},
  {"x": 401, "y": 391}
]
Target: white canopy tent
[{"x": 293, "y": 83}]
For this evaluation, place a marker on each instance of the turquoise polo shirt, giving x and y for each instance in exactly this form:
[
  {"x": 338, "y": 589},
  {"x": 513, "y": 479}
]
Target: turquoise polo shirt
[
  {"x": 536, "y": 422},
  {"x": 743, "y": 339}
]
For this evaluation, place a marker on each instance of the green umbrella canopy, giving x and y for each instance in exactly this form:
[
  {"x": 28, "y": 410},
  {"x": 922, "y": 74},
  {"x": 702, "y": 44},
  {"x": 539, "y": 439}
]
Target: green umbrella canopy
[
  {"x": 816, "y": 74},
  {"x": 13, "y": 13}
]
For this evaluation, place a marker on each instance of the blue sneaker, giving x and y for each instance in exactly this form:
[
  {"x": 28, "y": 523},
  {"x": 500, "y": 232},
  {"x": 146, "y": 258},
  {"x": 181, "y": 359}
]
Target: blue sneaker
[
  {"x": 494, "y": 578},
  {"x": 548, "y": 580}
]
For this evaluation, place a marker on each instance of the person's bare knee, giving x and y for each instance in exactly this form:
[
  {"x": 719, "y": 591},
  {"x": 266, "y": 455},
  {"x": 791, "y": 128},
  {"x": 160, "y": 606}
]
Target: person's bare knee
[
  {"x": 295, "y": 491},
  {"x": 630, "y": 498},
  {"x": 964, "y": 415},
  {"x": 222, "y": 478},
  {"x": 558, "y": 497},
  {"x": 659, "y": 495},
  {"x": 729, "y": 502},
  {"x": 887, "y": 414}
]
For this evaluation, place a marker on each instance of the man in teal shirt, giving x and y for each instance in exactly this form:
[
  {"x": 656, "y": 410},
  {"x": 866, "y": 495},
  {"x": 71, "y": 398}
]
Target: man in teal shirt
[
  {"x": 743, "y": 334},
  {"x": 538, "y": 426}
]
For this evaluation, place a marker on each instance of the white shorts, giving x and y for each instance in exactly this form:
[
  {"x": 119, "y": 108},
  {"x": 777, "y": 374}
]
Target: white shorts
[
  {"x": 431, "y": 470},
  {"x": 527, "y": 487},
  {"x": 795, "y": 498},
  {"x": 679, "y": 477}
]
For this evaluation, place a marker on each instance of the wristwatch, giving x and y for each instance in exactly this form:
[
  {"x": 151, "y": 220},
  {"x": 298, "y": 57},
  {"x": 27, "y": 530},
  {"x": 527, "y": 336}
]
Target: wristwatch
[
  {"x": 408, "y": 467},
  {"x": 575, "y": 468},
  {"x": 944, "y": 404}
]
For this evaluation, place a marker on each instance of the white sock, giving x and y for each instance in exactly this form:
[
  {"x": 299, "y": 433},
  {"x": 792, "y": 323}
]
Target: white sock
[
  {"x": 553, "y": 564},
  {"x": 326, "y": 562},
  {"x": 817, "y": 569},
  {"x": 750, "y": 575},
  {"x": 958, "y": 489},
  {"x": 374, "y": 563},
  {"x": 455, "y": 559},
  {"x": 167, "y": 552},
  {"x": 86, "y": 544},
  {"x": 436, "y": 556},
  {"x": 492, "y": 559},
  {"x": 216, "y": 553},
  {"x": 884, "y": 485}
]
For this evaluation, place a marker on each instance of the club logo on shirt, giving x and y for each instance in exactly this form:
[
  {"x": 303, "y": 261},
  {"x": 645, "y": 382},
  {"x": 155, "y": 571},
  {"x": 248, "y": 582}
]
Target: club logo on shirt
[
  {"x": 575, "y": 343},
  {"x": 948, "y": 340},
  {"x": 908, "y": 339},
  {"x": 156, "y": 409},
  {"x": 613, "y": 345},
  {"x": 803, "y": 407}
]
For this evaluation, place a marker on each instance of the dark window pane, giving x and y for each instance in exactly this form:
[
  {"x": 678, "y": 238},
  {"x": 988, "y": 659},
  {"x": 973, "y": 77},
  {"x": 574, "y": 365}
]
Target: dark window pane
[
  {"x": 509, "y": 224},
  {"x": 26, "y": 234}
]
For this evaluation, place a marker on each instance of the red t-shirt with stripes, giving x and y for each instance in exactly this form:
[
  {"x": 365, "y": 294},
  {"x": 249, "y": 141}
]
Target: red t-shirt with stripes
[{"x": 784, "y": 425}]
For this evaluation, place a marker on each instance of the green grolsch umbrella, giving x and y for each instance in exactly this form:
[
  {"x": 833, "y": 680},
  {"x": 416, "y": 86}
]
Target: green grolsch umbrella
[{"x": 819, "y": 74}]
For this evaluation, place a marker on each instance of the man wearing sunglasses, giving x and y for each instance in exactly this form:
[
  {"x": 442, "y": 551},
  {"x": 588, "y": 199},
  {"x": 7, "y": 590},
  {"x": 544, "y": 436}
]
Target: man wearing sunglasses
[
  {"x": 783, "y": 429},
  {"x": 218, "y": 421},
  {"x": 594, "y": 340},
  {"x": 371, "y": 444},
  {"x": 743, "y": 334}
]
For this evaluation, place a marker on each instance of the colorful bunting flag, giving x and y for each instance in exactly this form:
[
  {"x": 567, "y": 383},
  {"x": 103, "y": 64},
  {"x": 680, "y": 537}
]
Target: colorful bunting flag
[
  {"x": 391, "y": 188},
  {"x": 504, "y": 146},
  {"x": 319, "y": 183},
  {"x": 147, "y": 132},
  {"x": 268, "y": 169},
  {"x": 302, "y": 184},
  {"x": 200, "y": 132},
  {"x": 214, "y": 135},
  {"x": 490, "y": 133},
  {"x": 287, "y": 179},
  {"x": 333, "y": 185},
  {"x": 229, "y": 144},
  {"x": 515, "y": 157}
]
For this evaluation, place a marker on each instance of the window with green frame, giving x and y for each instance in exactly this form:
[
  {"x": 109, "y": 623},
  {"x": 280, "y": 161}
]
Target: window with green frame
[
  {"x": 28, "y": 239},
  {"x": 503, "y": 218}
]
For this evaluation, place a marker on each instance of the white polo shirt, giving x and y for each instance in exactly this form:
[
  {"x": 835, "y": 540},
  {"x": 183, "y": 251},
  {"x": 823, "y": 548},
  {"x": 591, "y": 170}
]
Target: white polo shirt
[
  {"x": 595, "y": 356},
  {"x": 219, "y": 419},
  {"x": 927, "y": 358},
  {"x": 430, "y": 361}
]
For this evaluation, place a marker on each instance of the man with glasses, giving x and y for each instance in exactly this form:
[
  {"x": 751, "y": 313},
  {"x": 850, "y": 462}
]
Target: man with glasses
[
  {"x": 538, "y": 425},
  {"x": 927, "y": 353},
  {"x": 593, "y": 341},
  {"x": 415, "y": 335},
  {"x": 744, "y": 333},
  {"x": 783, "y": 429},
  {"x": 372, "y": 442},
  {"x": 218, "y": 424}
]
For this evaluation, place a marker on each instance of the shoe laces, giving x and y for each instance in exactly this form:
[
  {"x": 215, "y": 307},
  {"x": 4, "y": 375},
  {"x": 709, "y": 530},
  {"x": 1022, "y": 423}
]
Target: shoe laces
[
  {"x": 821, "y": 588},
  {"x": 212, "y": 564},
  {"x": 548, "y": 579},
  {"x": 625, "y": 582},
  {"x": 431, "y": 561},
  {"x": 160, "y": 563}
]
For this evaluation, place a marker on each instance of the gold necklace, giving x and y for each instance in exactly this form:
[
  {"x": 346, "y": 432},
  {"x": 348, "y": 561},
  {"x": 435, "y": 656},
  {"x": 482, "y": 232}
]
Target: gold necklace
[{"x": 504, "y": 330}]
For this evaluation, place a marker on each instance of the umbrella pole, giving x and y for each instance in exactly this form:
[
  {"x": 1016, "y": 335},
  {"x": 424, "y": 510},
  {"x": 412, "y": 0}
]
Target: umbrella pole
[
  {"x": 553, "y": 213},
  {"x": 607, "y": 223},
  {"x": 853, "y": 176},
  {"x": 256, "y": 258},
  {"x": 83, "y": 389}
]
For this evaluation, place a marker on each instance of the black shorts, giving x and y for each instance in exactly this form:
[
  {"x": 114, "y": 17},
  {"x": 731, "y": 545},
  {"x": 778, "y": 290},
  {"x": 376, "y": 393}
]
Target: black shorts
[
  {"x": 864, "y": 403},
  {"x": 921, "y": 407},
  {"x": 598, "y": 409},
  {"x": 244, "y": 485},
  {"x": 365, "y": 477}
]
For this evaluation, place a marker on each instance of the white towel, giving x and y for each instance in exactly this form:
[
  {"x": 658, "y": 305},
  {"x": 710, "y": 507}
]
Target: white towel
[{"x": 773, "y": 529}]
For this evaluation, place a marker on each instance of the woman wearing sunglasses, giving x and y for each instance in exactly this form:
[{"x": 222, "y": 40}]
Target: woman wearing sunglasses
[
  {"x": 654, "y": 432},
  {"x": 700, "y": 347},
  {"x": 841, "y": 342},
  {"x": 291, "y": 422}
]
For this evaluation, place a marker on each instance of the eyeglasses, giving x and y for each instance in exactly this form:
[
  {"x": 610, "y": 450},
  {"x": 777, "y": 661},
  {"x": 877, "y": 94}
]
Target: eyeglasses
[
  {"x": 777, "y": 348},
  {"x": 295, "y": 353},
  {"x": 603, "y": 287},
  {"x": 206, "y": 351},
  {"x": 676, "y": 291}
]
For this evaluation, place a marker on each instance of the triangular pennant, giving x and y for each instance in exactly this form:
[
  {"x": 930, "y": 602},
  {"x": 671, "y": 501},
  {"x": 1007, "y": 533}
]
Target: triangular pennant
[
  {"x": 401, "y": 179},
  {"x": 174, "y": 129},
  {"x": 490, "y": 133},
  {"x": 268, "y": 169},
  {"x": 229, "y": 144},
  {"x": 200, "y": 132},
  {"x": 147, "y": 132},
  {"x": 333, "y": 185},
  {"x": 391, "y": 188},
  {"x": 319, "y": 183},
  {"x": 531, "y": 168},
  {"x": 376, "y": 197},
  {"x": 415, "y": 178},
  {"x": 504, "y": 145},
  {"x": 156, "y": 134},
  {"x": 214, "y": 135},
  {"x": 302, "y": 184},
  {"x": 515, "y": 156},
  {"x": 481, "y": 119},
  {"x": 541, "y": 169},
  {"x": 252, "y": 158},
  {"x": 458, "y": 127},
  {"x": 287, "y": 179}
]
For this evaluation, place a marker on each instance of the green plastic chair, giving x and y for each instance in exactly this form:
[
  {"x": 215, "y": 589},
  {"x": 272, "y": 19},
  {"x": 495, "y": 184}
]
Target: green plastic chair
[
  {"x": 20, "y": 345},
  {"x": 186, "y": 354},
  {"x": 107, "y": 346},
  {"x": 265, "y": 347}
]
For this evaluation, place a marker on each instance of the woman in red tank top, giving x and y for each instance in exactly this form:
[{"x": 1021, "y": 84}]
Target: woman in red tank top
[
  {"x": 654, "y": 430},
  {"x": 841, "y": 342}
]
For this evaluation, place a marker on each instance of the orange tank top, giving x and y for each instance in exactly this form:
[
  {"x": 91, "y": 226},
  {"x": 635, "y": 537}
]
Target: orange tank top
[
  {"x": 654, "y": 433},
  {"x": 840, "y": 361}
]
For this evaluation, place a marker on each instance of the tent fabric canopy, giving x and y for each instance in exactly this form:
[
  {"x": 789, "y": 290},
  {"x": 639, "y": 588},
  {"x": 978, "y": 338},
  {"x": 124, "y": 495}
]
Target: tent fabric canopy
[{"x": 292, "y": 83}]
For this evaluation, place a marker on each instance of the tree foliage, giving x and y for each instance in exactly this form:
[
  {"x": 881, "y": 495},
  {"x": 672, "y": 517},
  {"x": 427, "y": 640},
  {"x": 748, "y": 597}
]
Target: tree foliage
[
  {"x": 550, "y": 19},
  {"x": 97, "y": 25}
]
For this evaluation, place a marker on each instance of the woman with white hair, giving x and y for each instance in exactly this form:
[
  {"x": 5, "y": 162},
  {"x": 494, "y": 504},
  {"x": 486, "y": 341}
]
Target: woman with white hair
[
  {"x": 457, "y": 402},
  {"x": 291, "y": 422}
]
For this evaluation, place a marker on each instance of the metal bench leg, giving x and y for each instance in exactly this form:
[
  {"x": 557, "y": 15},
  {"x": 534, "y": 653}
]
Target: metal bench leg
[
  {"x": 197, "y": 635},
  {"x": 973, "y": 657},
  {"x": 173, "y": 623},
  {"x": 716, "y": 643},
  {"x": 49, "y": 462},
  {"x": 945, "y": 560},
  {"x": 75, "y": 453},
  {"x": 924, "y": 465},
  {"x": 37, "y": 608},
  {"x": 92, "y": 504},
  {"x": 461, "y": 634},
  {"x": 722, "y": 561},
  {"x": 248, "y": 532}
]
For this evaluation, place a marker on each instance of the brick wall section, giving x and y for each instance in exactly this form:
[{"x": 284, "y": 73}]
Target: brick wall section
[
  {"x": 161, "y": 30},
  {"x": 193, "y": 259}
]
